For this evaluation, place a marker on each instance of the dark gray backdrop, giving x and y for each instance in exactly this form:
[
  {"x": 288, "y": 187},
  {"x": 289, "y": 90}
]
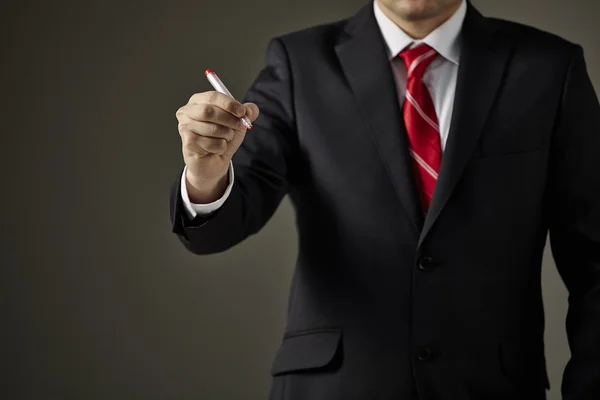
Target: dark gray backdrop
[{"x": 99, "y": 300}]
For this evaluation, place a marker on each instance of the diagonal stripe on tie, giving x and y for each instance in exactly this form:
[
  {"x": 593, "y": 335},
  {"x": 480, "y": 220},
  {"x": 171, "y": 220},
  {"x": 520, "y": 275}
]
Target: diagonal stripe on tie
[{"x": 422, "y": 125}]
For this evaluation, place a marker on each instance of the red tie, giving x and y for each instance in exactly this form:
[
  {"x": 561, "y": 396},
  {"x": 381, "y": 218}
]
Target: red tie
[{"x": 421, "y": 122}]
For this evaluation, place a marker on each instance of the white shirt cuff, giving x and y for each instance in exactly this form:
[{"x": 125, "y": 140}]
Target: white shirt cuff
[{"x": 191, "y": 209}]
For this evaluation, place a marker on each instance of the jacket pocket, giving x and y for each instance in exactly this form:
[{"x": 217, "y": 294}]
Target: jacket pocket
[{"x": 308, "y": 351}]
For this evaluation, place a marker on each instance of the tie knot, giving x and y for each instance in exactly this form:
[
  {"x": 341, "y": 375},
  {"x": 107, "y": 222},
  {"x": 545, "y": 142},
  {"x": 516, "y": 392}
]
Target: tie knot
[{"x": 417, "y": 59}]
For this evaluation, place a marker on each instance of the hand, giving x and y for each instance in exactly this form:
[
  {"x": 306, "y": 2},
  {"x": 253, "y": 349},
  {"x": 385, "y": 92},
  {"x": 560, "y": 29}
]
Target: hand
[{"x": 211, "y": 132}]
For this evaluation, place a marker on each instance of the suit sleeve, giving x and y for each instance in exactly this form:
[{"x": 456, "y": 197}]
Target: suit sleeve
[
  {"x": 263, "y": 166},
  {"x": 574, "y": 184}
]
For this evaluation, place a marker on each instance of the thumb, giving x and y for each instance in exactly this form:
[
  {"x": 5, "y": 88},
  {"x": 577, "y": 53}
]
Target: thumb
[{"x": 252, "y": 111}]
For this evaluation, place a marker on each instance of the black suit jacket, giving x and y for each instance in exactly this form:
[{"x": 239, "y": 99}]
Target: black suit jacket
[{"x": 385, "y": 303}]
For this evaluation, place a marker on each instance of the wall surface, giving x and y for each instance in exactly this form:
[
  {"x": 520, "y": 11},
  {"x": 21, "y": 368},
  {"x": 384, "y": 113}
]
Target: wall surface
[{"x": 99, "y": 300}]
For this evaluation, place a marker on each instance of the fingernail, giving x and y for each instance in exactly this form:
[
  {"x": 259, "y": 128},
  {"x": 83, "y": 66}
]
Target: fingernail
[{"x": 241, "y": 125}]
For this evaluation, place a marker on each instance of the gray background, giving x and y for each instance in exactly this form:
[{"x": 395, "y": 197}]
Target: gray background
[{"x": 99, "y": 300}]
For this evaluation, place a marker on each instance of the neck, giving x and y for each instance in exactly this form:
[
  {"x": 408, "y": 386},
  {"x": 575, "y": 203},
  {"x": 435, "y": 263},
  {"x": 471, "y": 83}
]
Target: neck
[{"x": 418, "y": 28}]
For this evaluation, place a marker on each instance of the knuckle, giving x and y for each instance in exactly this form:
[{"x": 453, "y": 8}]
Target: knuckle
[
  {"x": 213, "y": 97},
  {"x": 227, "y": 104},
  {"x": 182, "y": 127},
  {"x": 215, "y": 129},
  {"x": 193, "y": 98},
  {"x": 206, "y": 112}
]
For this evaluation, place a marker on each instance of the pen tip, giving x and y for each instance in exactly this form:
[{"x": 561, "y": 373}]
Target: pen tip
[
  {"x": 209, "y": 71},
  {"x": 251, "y": 127}
]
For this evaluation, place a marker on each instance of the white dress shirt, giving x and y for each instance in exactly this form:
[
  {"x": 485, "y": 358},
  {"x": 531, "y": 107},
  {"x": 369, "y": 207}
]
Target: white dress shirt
[{"x": 440, "y": 78}]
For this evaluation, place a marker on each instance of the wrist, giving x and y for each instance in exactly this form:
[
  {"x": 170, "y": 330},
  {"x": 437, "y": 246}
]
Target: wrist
[{"x": 206, "y": 191}]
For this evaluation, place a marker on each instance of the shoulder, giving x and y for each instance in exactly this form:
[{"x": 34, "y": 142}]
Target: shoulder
[
  {"x": 318, "y": 35},
  {"x": 314, "y": 42},
  {"x": 536, "y": 42}
]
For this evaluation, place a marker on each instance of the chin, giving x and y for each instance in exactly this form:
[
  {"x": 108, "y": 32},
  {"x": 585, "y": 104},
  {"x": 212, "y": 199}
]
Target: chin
[
  {"x": 416, "y": 10},
  {"x": 418, "y": 14}
]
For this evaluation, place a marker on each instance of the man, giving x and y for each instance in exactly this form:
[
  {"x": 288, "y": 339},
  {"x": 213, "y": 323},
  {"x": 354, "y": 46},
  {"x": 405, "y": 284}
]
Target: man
[{"x": 400, "y": 291}]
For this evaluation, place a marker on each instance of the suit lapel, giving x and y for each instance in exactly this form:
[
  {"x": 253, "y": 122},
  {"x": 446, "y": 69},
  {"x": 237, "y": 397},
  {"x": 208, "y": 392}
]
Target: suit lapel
[
  {"x": 365, "y": 64},
  {"x": 482, "y": 64},
  {"x": 368, "y": 71}
]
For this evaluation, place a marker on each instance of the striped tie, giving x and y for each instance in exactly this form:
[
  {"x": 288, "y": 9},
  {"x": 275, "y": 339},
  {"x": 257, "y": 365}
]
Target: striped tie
[{"x": 421, "y": 122}]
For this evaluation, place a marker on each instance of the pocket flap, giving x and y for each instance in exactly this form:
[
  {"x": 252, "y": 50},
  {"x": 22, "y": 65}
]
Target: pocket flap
[{"x": 307, "y": 350}]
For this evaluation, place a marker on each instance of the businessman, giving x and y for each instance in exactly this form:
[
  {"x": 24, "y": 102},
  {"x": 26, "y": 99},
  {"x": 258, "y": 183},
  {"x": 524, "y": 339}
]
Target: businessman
[{"x": 427, "y": 151}]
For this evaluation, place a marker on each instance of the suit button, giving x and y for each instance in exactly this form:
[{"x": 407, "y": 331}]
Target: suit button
[
  {"x": 425, "y": 263},
  {"x": 424, "y": 354}
]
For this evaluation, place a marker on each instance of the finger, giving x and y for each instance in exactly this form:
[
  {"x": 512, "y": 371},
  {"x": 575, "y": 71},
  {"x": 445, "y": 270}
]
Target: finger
[
  {"x": 209, "y": 113},
  {"x": 252, "y": 111},
  {"x": 211, "y": 145},
  {"x": 220, "y": 100},
  {"x": 207, "y": 129},
  {"x": 234, "y": 144}
]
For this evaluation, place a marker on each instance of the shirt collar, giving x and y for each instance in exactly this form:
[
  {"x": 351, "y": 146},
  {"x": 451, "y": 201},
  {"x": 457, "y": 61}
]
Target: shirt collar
[{"x": 444, "y": 39}]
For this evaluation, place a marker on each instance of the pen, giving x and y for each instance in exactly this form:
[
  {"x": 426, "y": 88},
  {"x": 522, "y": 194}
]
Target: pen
[{"x": 220, "y": 87}]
